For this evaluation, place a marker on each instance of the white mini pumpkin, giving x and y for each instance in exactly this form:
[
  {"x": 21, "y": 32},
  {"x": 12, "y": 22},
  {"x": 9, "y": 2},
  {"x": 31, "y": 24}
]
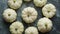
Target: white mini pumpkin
[
  {"x": 39, "y": 3},
  {"x": 14, "y": 4},
  {"x": 31, "y": 30},
  {"x": 49, "y": 10},
  {"x": 44, "y": 25},
  {"x": 9, "y": 15},
  {"x": 16, "y": 28},
  {"x": 29, "y": 14}
]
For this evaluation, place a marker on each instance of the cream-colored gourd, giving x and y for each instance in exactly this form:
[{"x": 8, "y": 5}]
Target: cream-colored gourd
[
  {"x": 16, "y": 28},
  {"x": 39, "y": 3},
  {"x": 14, "y": 4},
  {"x": 9, "y": 15},
  {"x": 44, "y": 25},
  {"x": 31, "y": 30},
  {"x": 49, "y": 10},
  {"x": 29, "y": 14}
]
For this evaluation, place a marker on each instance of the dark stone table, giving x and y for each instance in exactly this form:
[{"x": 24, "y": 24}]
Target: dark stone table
[{"x": 4, "y": 26}]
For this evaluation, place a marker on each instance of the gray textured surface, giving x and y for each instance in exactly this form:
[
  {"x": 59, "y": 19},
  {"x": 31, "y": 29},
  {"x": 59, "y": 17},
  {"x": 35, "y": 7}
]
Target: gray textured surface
[{"x": 4, "y": 26}]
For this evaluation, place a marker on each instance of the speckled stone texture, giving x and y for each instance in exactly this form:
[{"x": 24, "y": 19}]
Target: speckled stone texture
[{"x": 4, "y": 26}]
